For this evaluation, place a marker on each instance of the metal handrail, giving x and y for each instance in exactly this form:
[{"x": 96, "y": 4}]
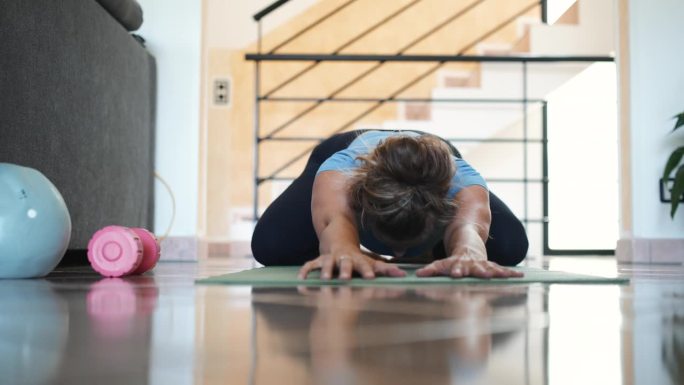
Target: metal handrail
[
  {"x": 457, "y": 140},
  {"x": 425, "y": 58},
  {"x": 394, "y": 94},
  {"x": 430, "y": 71},
  {"x": 461, "y": 52},
  {"x": 490, "y": 180},
  {"x": 401, "y": 51},
  {"x": 389, "y": 100},
  {"x": 343, "y": 46},
  {"x": 544, "y": 11},
  {"x": 279, "y": 3},
  {"x": 439, "y": 26},
  {"x": 312, "y": 25},
  {"x": 264, "y": 12}
]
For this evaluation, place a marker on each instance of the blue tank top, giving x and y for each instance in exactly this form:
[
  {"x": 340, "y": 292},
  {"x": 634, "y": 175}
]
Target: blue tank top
[{"x": 346, "y": 161}]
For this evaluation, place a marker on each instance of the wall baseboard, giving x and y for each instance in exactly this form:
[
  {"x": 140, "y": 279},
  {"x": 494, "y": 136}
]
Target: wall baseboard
[
  {"x": 193, "y": 249},
  {"x": 220, "y": 249},
  {"x": 181, "y": 249},
  {"x": 652, "y": 251}
]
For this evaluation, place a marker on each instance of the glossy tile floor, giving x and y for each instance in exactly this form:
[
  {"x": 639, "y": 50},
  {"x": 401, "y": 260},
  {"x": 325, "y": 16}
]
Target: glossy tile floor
[{"x": 76, "y": 328}]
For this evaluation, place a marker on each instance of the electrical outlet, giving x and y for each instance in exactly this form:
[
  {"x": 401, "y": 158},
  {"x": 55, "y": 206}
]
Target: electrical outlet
[
  {"x": 666, "y": 190},
  {"x": 221, "y": 92}
]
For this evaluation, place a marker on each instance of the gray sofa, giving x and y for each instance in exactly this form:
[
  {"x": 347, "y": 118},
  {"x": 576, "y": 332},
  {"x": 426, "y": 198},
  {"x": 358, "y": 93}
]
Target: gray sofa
[{"x": 77, "y": 102}]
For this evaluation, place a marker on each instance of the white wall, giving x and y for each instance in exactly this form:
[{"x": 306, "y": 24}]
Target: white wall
[
  {"x": 172, "y": 29},
  {"x": 656, "y": 79},
  {"x": 594, "y": 35},
  {"x": 583, "y": 157}
]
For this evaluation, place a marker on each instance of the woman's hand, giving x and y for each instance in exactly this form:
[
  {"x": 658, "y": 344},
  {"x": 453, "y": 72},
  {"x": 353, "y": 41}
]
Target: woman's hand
[
  {"x": 335, "y": 225},
  {"x": 457, "y": 267},
  {"x": 464, "y": 240},
  {"x": 348, "y": 262}
]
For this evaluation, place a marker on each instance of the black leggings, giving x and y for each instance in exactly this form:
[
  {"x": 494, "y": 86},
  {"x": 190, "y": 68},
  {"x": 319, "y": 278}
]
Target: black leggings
[{"x": 285, "y": 234}]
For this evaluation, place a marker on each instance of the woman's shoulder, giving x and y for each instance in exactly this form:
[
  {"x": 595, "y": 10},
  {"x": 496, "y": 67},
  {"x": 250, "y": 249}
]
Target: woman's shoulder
[
  {"x": 466, "y": 175},
  {"x": 346, "y": 159},
  {"x": 371, "y": 138}
]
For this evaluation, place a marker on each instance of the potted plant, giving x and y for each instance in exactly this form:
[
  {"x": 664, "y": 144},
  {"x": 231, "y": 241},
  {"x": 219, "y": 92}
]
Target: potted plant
[{"x": 678, "y": 175}]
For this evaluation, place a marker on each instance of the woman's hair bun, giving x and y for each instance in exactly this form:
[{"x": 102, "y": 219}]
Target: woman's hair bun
[{"x": 401, "y": 186}]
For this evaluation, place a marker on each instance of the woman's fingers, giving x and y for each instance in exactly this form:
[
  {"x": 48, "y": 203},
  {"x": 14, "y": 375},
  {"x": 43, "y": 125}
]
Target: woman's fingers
[
  {"x": 466, "y": 269},
  {"x": 481, "y": 269},
  {"x": 458, "y": 268},
  {"x": 456, "y": 271},
  {"x": 504, "y": 272},
  {"x": 328, "y": 267},
  {"x": 513, "y": 273},
  {"x": 308, "y": 267},
  {"x": 388, "y": 270},
  {"x": 498, "y": 271},
  {"x": 362, "y": 266},
  {"x": 368, "y": 268},
  {"x": 488, "y": 269},
  {"x": 435, "y": 268},
  {"x": 345, "y": 266}
]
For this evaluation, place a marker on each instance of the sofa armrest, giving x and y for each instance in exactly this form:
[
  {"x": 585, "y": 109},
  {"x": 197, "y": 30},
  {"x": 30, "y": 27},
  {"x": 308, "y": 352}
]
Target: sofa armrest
[
  {"x": 127, "y": 12},
  {"x": 77, "y": 102}
]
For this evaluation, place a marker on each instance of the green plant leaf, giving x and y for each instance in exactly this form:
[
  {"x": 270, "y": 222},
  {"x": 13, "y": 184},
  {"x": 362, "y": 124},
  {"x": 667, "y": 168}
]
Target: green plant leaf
[
  {"x": 680, "y": 121},
  {"x": 677, "y": 190},
  {"x": 673, "y": 161}
]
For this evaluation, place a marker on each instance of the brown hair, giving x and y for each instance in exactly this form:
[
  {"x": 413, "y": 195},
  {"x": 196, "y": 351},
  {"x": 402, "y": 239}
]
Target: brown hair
[{"x": 400, "y": 189}]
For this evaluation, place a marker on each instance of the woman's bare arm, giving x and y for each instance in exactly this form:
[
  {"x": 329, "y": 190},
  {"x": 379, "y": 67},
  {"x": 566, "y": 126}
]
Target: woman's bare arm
[
  {"x": 335, "y": 225},
  {"x": 469, "y": 229},
  {"x": 332, "y": 216},
  {"x": 464, "y": 240}
]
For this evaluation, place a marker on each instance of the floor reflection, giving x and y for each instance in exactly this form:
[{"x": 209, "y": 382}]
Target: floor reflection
[
  {"x": 393, "y": 335},
  {"x": 656, "y": 338},
  {"x": 114, "y": 305},
  {"x": 76, "y": 327},
  {"x": 34, "y": 331},
  {"x": 114, "y": 332},
  {"x": 673, "y": 344}
]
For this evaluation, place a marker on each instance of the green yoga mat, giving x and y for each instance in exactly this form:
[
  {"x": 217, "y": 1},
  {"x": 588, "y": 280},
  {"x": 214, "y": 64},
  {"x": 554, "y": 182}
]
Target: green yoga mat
[{"x": 284, "y": 276}]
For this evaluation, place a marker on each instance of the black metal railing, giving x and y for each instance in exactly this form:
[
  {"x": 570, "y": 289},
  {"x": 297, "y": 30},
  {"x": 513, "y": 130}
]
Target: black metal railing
[
  {"x": 393, "y": 97},
  {"x": 277, "y": 4}
]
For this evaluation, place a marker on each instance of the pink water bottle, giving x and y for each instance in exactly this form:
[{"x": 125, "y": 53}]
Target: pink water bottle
[{"x": 115, "y": 251}]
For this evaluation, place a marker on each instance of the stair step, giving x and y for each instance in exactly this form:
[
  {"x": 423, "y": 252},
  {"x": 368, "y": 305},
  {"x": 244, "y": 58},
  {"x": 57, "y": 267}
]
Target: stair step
[
  {"x": 458, "y": 79},
  {"x": 494, "y": 49},
  {"x": 523, "y": 45},
  {"x": 570, "y": 16},
  {"x": 416, "y": 111}
]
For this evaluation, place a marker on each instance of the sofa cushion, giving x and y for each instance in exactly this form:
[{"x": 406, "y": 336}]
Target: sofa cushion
[
  {"x": 127, "y": 12},
  {"x": 77, "y": 103}
]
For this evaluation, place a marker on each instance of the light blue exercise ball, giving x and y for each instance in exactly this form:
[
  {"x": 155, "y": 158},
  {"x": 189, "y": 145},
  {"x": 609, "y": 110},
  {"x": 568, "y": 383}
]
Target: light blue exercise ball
[{"x": 35, "y": 226}]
